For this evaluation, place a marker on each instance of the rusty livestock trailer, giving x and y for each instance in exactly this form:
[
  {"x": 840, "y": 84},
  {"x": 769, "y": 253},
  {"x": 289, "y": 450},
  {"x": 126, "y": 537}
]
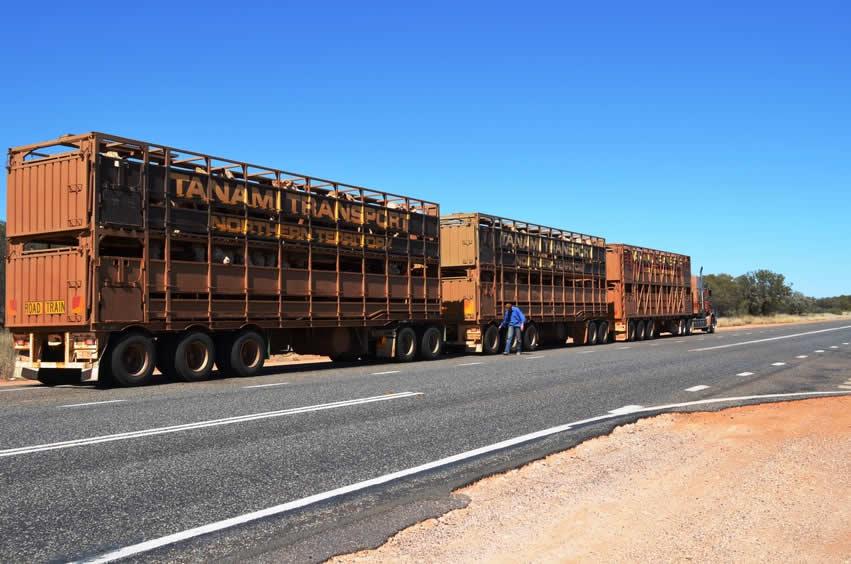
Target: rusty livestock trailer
[
  {"x": 649, "y": 292},
  {"x": 125, "y": 254},
  {"x": 557, "y": 277}
]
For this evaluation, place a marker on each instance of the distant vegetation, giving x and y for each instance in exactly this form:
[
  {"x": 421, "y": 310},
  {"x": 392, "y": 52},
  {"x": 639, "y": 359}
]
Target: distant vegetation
[{"x": 763, "y": 292}]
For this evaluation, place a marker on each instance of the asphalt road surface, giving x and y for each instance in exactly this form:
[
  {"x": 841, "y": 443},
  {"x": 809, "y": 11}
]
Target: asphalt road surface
[{"x": 309, "y": 461}]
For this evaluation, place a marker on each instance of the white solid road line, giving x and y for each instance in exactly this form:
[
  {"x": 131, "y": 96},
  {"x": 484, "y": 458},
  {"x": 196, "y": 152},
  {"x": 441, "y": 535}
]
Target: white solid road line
[
  {"x": 265, "y": 385},
  {"x": 778, "y": 364},
  {"x": 728, "y": 345},
  {"x": 173, "y": 538},
  {"x": 696, "y": 388},
  {"x": 91, "y": 403},
  {"x": 626, "y": 409},
  {"x": 385, "y": 372},
  {"x": 200, "y": 424},
  {"x": 745, "y": 374},
  {"x": 469, "y": 364},
  {"x": 25, "y": 388}
]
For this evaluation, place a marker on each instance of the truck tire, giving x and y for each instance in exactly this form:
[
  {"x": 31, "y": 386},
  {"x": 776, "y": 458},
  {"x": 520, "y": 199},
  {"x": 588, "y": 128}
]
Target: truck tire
[
  {"x": 630, "y": 330},
  {"x": 406, "y": 344},
  {"x": 490, "y": 340},
  {"x": 591, "y": 335},
  {"x": 194, "y": 356},
  {"x": 688, "y": 327},
  {"x": 242, "y": 355},
  {"x": 639, "y": 331},
  {"x": 603, "y": 333},
  {"x": 712, "y": 325},
  {"x": 431, "y": 343},
  {"x": 530, "y": 338},
  {"x": 131, "y": 360},
  {"x": 650, "y": 330}
]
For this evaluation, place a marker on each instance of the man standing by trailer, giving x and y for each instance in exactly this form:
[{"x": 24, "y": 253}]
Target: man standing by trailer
[{"x": 514, "y": 320}]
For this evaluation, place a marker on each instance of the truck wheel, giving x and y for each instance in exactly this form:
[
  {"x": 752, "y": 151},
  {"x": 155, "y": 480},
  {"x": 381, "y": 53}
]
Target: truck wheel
[
  {"x": 591, "y": 338},
  {"x": 712, "y": 325},
  {"x": 530, "y": 338},
  {"x": 630, "y": 331},
  {"x": 688, "y": 327},
  {"x": 243, "y": 355},
  {"x": 406, "y": 344},
  {"x": 650, "y": 330},
  {"x": 603, "y": 333},
  {"x": 194, "y": 356},
  {"x": 131, "y": 360},
  {"x": 490, "y": 341},
  {"x": 640, "y": 327},
  {"x": 431, "y": 343}
]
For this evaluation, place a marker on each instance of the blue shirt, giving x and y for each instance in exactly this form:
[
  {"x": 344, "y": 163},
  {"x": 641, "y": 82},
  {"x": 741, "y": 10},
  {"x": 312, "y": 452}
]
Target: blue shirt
[{"x": 514, "y": 317}]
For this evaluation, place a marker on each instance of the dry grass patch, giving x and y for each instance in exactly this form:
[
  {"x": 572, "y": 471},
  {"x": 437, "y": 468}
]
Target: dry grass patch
[{"x": 780, "y": 318}]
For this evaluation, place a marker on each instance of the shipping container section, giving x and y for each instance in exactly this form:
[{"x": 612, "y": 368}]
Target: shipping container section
[
  {"x": 649, "y": 292},
  {"x": 125, "y": 254},
  {"x": 556, "y": 277}
]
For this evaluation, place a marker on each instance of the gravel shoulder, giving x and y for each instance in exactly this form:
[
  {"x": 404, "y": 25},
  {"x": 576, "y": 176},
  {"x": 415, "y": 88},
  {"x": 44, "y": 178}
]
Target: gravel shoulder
[{"x": 760, "y": 483}]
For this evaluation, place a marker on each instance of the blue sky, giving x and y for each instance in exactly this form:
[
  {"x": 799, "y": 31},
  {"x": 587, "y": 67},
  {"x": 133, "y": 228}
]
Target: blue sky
[{"x": 717, "y": 129}]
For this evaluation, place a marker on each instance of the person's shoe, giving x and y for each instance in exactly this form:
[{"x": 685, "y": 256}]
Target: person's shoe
[
  {"x": 504, "y": 354},
  {"x": 518, "y": 353}
]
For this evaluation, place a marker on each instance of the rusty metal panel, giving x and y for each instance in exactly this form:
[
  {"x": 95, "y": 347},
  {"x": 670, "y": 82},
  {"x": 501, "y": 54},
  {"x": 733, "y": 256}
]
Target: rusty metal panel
[
  {"x": 47, "y": 194},
  {"x": 214, "y": 239},
  {"x": 458, "y": 240},
  {"x": 553, "y": 275},
  {"x": 46, "y": 288}
]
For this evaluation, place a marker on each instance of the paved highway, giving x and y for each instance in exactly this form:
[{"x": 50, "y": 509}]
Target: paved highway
[{"x": 309, "y": 461}]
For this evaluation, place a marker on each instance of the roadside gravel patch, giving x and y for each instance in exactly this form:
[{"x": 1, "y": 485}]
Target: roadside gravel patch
[{"x": 758, "y": 483}]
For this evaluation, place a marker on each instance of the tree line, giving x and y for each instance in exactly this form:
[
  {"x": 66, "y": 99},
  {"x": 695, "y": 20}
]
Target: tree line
[{"x": 763, "y": 292}]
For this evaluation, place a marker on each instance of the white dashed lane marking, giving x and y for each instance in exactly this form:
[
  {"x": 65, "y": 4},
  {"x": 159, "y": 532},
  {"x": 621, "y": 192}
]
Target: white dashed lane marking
[
  {"x": 819, "y": 350},
  {"x": 533, "y": 357},
  {"x": 266, "y": 385},
  {"x": 778, "y": 364},
  {"x": 801, "y": 356},
  {"x": 696, "y": 388},
  {"x": 385, "y": 372},
  {"x": 834, "y": 347},
  {"x": 745, "y": 374},
  {"x": 469, "y": 364}
]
